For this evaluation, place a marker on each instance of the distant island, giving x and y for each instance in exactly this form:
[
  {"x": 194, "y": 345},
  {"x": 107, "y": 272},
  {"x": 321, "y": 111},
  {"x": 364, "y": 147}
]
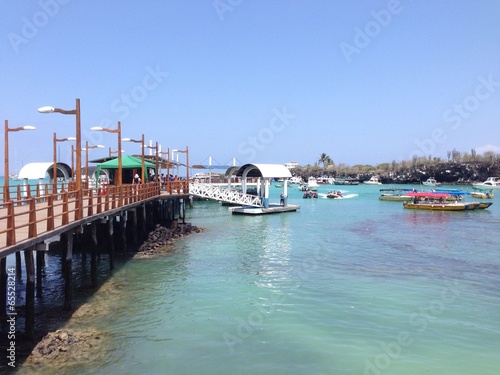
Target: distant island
[{"x": 460, "y": 168}]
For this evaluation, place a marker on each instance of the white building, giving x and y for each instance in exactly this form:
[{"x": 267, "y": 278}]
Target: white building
[{"x": 292, "y": 165}]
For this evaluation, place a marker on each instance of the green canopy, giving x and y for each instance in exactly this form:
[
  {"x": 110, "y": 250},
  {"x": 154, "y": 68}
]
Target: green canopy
[{"x": 128, "y": 162}]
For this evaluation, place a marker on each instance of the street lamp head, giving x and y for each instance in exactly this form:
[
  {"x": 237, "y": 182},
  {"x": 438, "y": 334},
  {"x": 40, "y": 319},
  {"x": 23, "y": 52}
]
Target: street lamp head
[
  {"x": 97, "y": 128},
  {"x": 100, "y": 146},
  {"x": 46, "y": 109},
  {"x": 126, "y": 139},
  {"x": 29, "y": 127},
  {"x": 71, "y": 139}
]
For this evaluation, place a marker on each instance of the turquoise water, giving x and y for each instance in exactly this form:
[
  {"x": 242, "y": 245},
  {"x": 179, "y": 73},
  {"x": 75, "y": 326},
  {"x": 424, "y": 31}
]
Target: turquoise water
[{"x": 347, "y": 286}]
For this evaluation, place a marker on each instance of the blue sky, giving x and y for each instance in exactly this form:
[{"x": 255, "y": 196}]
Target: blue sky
[{"x": 365, "y": 82}]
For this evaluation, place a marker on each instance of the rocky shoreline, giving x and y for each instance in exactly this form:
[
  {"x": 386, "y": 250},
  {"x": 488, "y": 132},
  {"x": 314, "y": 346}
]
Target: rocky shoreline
[
  {"x": 159, "y": 241},
  {"x": 73, "y": 344}
]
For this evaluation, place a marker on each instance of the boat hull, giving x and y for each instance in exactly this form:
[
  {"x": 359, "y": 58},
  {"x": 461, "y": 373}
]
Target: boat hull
[
  {"x": 483, "y": 186},
  {"x": 490, "y": 183},
  {"x": 436, "y": 206},
  {"x": 465, "y": 206},
  {"x": 395, "y": 198},
  {"x": 333, "y": 195}
]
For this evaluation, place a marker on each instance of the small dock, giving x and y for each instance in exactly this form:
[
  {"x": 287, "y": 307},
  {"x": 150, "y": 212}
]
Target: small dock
[{"x": 249, "y": 204}]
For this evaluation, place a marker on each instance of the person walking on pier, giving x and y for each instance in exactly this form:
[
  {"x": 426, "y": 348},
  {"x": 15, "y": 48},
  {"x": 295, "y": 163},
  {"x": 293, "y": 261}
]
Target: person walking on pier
[{"x": 136, "y": 181}]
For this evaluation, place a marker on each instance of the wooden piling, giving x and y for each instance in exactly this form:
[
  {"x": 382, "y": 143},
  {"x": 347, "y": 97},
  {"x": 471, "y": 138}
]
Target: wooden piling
[
  {"x": 68, "y": 272},
  {"x": 111, "y": 245},
  {"x": 142, "y": 210},
  {"x": 19, "y": 268},
  {"x": 3, "y": 285},
  {"x": 29, "y": 325},
  {"x": 93, "y": 255},
  {"x": 123, "y": 231},
  {"x": 39, "y": 269},
  {"x": 133, "y": 227}
]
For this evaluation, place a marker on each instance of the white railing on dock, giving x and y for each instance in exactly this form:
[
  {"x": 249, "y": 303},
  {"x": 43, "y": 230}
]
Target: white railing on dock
[{"x": 224, "y": 194}]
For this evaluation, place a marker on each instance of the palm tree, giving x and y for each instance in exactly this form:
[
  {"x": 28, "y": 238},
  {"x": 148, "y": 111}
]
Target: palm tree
[{"x": 323, "y": 158}]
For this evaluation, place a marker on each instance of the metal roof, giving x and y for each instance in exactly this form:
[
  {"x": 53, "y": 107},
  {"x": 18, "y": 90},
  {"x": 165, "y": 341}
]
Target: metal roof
[
  {"x": 33, "y": 171},
  {"x": 231, "y": 171},
  {"x": 265, "y": 171}
]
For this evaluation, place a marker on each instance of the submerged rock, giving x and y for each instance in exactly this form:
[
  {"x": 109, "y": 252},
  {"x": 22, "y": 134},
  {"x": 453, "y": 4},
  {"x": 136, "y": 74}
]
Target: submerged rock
[
  {"x": 64, "y": 349},
  {"x": 161, "y": 238}
]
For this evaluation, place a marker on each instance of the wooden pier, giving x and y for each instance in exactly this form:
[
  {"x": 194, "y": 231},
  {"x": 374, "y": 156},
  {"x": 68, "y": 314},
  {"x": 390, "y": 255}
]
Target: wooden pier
[{"x": 117, "y": 215}]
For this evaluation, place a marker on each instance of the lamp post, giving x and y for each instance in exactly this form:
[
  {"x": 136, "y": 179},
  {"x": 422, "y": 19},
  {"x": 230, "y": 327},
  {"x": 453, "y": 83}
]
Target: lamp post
[
  {"x": 186, "y": 151},
  {"x": 76, "y": 112},
  {"x": 119, "y": 132},
  {"x": 54, "y": 173},
  {"x": 141, "y": 141},
  {"x": 167, "y": 154},
  {"x": 156, "y": 156},
  {"x": 87, "y": 147},
  {"x": 6, "y": 196},
  {"x": 115, "y": 152}
]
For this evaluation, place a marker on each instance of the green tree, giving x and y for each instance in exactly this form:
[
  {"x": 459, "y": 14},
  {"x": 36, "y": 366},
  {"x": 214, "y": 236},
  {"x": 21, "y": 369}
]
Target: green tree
[{"x": 323, "y": 159}]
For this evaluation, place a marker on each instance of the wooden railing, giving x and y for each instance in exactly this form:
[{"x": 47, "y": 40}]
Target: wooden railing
[{"x": 37, "y": 211}]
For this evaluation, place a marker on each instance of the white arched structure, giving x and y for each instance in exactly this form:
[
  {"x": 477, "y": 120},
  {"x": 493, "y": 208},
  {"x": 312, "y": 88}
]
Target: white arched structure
[
  {"x": 249, "y": 204},
  {"x": 38, "y": 171},
  {"x": 265, "y": 172}
]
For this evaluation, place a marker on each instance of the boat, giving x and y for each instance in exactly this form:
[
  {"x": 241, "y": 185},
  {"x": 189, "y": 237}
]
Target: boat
[
  {"x": 373, "y": 181},
  {"x": 14, "y": 177},
  {"x": 455, "y": 194},
  {"x": 312, "y": 184},
  {"x": 431, "y": 181},
  {"x": 303, "y": 187},
  {"x": 326, "y": 180},
  {"x": 396, "y": 195},
  {"x": 490, "y": 183},
  {"x": 334, "y": 194},
  {"x": 483, "y": 205},
  {"x": 295, "y": 180},
  {"x": 482, "y": 194},
  {"x": 346, "y": 181},
  {"x": 310, "y": 194},
  {"x": 434, "y": 201}
]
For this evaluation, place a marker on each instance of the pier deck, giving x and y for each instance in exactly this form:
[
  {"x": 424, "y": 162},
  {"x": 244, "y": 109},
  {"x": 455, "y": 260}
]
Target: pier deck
[{"x": 33, "y": 220}]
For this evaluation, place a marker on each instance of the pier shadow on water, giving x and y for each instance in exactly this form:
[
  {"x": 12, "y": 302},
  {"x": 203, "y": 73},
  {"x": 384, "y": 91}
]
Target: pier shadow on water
[{"x": 50, "y": 314}]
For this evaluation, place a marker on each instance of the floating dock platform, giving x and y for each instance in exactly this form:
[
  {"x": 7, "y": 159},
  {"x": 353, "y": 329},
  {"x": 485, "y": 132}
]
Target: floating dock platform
[{"x": 272, "y": 209}]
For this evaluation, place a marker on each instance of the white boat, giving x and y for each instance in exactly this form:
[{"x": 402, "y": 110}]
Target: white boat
[
  {"x": 303, "y": 187},
  {"x": 396, "y": 195},
  {"x": 490, "y": 183},
  {"x": 14, "y": 177},
  {"x": 373, "y": 181},
  {"x": 312, "y": 184},
  {"x": 431, "y": 181},
  {"x": 296, "y": 180}
]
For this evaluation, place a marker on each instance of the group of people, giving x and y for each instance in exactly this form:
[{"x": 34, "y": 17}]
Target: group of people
[{"x": 153, "y": 178}]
